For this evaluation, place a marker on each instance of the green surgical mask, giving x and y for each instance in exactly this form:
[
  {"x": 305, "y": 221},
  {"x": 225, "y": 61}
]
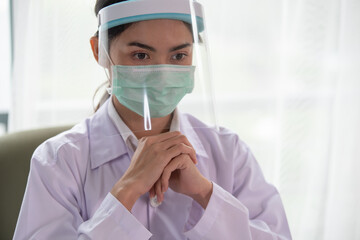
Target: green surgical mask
[{"x": 153, "y": 90}]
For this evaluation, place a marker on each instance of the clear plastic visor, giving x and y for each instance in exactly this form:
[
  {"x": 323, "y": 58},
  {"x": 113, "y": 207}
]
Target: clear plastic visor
[{"x": 158, "y": 65}]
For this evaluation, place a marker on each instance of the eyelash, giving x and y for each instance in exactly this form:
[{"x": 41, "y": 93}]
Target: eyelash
[
  {"x": 183, "y": 56},
  {"x": 135, "y": 55}
]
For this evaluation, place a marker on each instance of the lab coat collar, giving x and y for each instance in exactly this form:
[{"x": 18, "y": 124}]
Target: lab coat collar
[
  {"x": 189, "y": 129},
  {"x": 103, "y": 135}
]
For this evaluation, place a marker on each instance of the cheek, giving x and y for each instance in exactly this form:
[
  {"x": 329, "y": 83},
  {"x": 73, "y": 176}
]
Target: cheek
[{"x": 188, "y": 61}]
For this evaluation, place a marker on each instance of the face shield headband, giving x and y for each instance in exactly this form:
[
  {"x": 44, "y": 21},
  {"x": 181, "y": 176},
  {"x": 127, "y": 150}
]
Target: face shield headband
[{"x": 140, "y": 10}]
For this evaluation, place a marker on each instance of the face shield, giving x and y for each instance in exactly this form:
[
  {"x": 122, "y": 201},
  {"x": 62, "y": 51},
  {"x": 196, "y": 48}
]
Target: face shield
[{"x": 156, "y": 55}]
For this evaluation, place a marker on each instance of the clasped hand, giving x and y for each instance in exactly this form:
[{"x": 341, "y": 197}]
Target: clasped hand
[{"x": 159, "y": 162}]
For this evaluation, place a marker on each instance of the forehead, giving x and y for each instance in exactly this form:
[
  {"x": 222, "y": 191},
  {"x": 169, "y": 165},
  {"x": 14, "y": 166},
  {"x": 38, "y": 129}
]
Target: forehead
[{"x": 160, "y": 30}]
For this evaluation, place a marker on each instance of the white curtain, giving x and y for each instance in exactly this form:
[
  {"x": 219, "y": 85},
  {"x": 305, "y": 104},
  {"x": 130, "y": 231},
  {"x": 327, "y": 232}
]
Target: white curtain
[
  {"x": 55, "y": 74},
  {"x": 286, "y": 77},
  {"x": 342, "y": 206}
]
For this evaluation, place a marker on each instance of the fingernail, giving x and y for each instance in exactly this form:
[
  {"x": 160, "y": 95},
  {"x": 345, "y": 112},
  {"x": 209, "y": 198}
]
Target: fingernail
[{"x": 154, "y": 202}]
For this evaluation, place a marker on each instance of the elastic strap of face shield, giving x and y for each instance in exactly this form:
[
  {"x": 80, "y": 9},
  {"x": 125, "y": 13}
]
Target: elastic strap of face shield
[
  {"x": 106, "y": 53},
  {"x": 106, "y": 68}
]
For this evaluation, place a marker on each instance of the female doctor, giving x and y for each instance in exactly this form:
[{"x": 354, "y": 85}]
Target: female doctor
[{"x": 138, "y": 168}]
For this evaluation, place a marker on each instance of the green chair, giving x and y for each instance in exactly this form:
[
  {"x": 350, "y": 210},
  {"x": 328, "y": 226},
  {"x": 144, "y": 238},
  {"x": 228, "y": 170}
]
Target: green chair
[{"x": 16, "y": 150}]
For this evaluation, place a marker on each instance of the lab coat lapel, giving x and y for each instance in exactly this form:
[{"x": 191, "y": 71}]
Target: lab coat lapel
[
  {"x": 189, "y": 129},
  {"x": 106, "y": 143}
]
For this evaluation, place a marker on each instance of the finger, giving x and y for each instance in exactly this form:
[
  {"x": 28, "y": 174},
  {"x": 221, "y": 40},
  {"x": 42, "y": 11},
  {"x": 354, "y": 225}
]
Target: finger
[
  {"x": 159, "y": 138},
  {"x": 163, "y": 157},
  {"x": 181, "y": 148},
  {"x": 181, "y": 139},
  {"x": 166, "y": 136},
  {"x": 152, "y": 192},
  {"x": 174, "y": 141},
  {"x": 186, "y": 141},
  {"x": 177, "y": 163},
  {"x": 158, "y": 191}
]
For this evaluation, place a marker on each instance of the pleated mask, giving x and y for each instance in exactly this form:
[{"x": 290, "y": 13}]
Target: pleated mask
[{"x": 152, "y": 89}]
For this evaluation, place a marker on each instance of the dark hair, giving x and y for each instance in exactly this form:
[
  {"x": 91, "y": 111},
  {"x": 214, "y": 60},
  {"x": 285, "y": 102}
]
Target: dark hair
[
  {"x": 114, "y": 31},
  {"x": 100, "y": 4}
]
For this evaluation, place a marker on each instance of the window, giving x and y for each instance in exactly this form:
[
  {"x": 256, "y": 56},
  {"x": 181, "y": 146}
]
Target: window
[{"x": 5, "y": 63}]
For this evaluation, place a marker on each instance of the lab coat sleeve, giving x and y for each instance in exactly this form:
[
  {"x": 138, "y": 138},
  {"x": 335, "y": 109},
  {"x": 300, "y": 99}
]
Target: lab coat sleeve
[
  {"x": 53, "y": 206},
  {"x": 113, "y": 221},
  {"x": 252, "y": 211}
]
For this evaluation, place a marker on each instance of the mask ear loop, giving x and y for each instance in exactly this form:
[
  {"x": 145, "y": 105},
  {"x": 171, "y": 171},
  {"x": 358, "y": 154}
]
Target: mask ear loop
[{"x": 109, "y": 89}]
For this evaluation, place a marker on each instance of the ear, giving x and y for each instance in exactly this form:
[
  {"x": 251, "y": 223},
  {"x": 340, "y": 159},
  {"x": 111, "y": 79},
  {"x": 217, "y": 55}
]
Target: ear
[{"x": 94, "y": 42}]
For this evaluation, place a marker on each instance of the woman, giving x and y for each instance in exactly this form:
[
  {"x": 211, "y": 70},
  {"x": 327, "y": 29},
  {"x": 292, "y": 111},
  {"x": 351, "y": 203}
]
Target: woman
[{"x": 139, "y": 168}]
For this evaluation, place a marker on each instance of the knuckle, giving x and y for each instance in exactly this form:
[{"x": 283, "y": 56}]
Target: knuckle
[
  {"x": 184, "y": 147},
  {"x": 158, "y": 152},
  {"x": 177, "y": 133},
  {"x": 166, "y": 173},
  {"x": 183, "y": 138},
  {"x": 185, "y": 157},
  {"x": 180, "y": 145},
  {"x": 155, "y": 148}
]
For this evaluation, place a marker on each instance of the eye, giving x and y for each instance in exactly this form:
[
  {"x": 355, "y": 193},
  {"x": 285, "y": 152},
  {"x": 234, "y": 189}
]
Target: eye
[
  {"x": 178, "y": 56},
  {"x": 141, "y": 56}
]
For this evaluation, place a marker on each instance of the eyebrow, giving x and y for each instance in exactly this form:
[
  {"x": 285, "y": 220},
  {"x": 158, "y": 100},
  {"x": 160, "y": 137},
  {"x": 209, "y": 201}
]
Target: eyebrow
[
  {"x": 141, "y": 45},
  {"x": 180, "y": 47}
]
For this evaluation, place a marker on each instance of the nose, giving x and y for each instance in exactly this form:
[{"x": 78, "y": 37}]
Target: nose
[{"x": 161, "y": 59}]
